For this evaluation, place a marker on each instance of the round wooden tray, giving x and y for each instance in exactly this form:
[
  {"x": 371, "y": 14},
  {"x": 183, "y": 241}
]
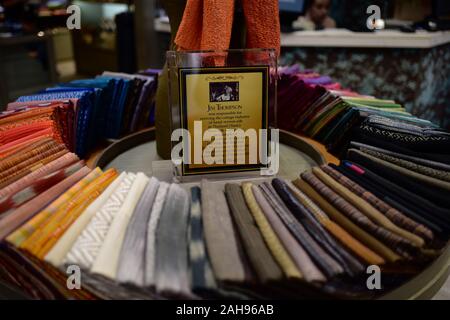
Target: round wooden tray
[{"x": 137, "y": 151}]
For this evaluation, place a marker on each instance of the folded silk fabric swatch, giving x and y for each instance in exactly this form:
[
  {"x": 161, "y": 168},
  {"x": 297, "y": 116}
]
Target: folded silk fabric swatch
[
  {"x": 150, "y": 250},
  {"x": 108, "y": 257},
  {"x": 64, "y": 218},
  {"x": 270, "y": 237},
  {"x": 304, "y": 263},
  {"x": 37, "y": 187},
  {"x": 433, "y": 197},
  {"x": 26, "y": 238},
  {"x": 132, "y": 256},
  {"x": 16, "y": 146},
  {"x": 323, "y": 260},
  {"x": 259, "y": 255},
  {"x": 364, "y": 253},
  {"x": 87, "y": 246},
  {"x": 27, "y": 210},
  {"x": 33, "y": 150},
  {"x": 202, "y": 277},
  {"x": 171, "y": 269},
  {"x": 221, "y": 237},
  {"x": 59, "y": 251},
  {"x": 397, "y": 155},
  {"x": 393, "y": 214},
  {"x": 393, "y": 240},
  {"x": 416, "y": 207},
  {"x": 53, "y": 166},
  {"x": 345, "y": 259},
  {"x": 428, "y": 171},
  {"x": 340, "y": 218},
  {"x": 52, "y": 155},
  {"x": 20, "y": 166},
  {"x": 367, "y": 209}
]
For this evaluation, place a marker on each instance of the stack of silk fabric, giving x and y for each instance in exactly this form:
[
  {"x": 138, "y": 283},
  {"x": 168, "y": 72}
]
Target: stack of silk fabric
[
  {"x": 313, "y": 105},
  {"x": 406, "y": 162},
  {"x": 135, "y": 237},
  {"x": 35, "y": 121},
  {"x": 106, "y": 107}
]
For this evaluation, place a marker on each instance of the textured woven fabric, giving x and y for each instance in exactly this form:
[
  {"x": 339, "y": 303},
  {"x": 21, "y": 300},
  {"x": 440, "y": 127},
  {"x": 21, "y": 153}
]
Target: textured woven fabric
[
  {"x": 202, "y": 277},
  {"x": 32, "y": 150},
  {"x": 350, "y": 264},
  {"x": 132, "y": 256},
  {"x": 227, "y": 259},
  {"x": 366, "y": 208},
  {"x": 26, "y": 166},
  {"x": 37, "y": 187},
  {"x": 418, "y": 160},
  {"x": 431, "y": 172},
  {"x": 393, "y": 214},
  {"x": 304, "y": 263},
  {"x": 340, "y": 218},
  {"x": 107, "y": 260},
  {"x": 24, "y": 122},
  {"x": 323, "y": 260},
  {"x": 87, "y": 246},
  {"x": 26, "y": 171},
  {"x": 28, "y": 234},
  {"x": 259, "y": 255},
  {"x": 417, "y": 208},
  {"x": 171, "y": 268},
  {"x": 419, "y": 177},
  {"x": 360, "y": 250},
  {"x": 432, "y": 193},
  {"x": 150, "y": 251},
  {"x": 392, "y": 240},
  {"x": 27, "y": 210},
  {"x": 16, "y": 146},
  {"x": 53, "y": 166},
  {"x": 270, "y": 237},
  {"x": 207, "y": 25},
  {"x": 63, "y": 219},
  {"x": 59, "y": 251}
]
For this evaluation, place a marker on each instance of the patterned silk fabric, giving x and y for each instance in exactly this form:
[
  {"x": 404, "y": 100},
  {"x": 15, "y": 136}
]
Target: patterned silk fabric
[
  {"x": 88, "y": 245},
  {"x": 28, "y": 234}
]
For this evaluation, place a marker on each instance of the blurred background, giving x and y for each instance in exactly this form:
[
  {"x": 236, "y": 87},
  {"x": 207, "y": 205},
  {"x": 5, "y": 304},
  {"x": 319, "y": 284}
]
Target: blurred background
[{"x": 408, "y": 58}]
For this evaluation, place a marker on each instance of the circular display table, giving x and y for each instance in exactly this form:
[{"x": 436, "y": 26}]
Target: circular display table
[{"x": 137, "y": 152}]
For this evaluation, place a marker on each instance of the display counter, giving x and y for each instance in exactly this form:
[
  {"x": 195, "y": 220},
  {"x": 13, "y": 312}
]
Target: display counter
[{"x": 412, "y": 68}]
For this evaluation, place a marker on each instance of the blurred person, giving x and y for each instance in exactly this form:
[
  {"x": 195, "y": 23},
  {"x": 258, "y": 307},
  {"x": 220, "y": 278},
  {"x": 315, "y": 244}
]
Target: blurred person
[{"x": 316, "y": 17}]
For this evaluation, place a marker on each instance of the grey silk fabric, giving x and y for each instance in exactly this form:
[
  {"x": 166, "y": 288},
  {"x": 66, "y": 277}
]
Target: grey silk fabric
[
  {"x": 418, "y": 177},
  {"x": 428, "y": 171},
  {"x": 171, "y": 269},
  {"x": 309, "y": 270},
  {"x": 132, "y": 255},
  {"x": 155, "y": 214},
  {"x": 220, "y": 235},
  {"x": 424, "y": 162},
  {"x": 259, "y": 255},
  {"x": 327, "y": 264}
]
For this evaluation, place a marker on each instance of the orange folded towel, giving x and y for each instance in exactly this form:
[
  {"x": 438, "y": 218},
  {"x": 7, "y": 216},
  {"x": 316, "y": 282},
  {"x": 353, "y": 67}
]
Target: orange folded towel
[{"x": 207, "y": 24}]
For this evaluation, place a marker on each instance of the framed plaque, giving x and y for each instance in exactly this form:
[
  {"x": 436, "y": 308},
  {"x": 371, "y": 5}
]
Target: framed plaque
[{"x": 224, "y": 110}]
